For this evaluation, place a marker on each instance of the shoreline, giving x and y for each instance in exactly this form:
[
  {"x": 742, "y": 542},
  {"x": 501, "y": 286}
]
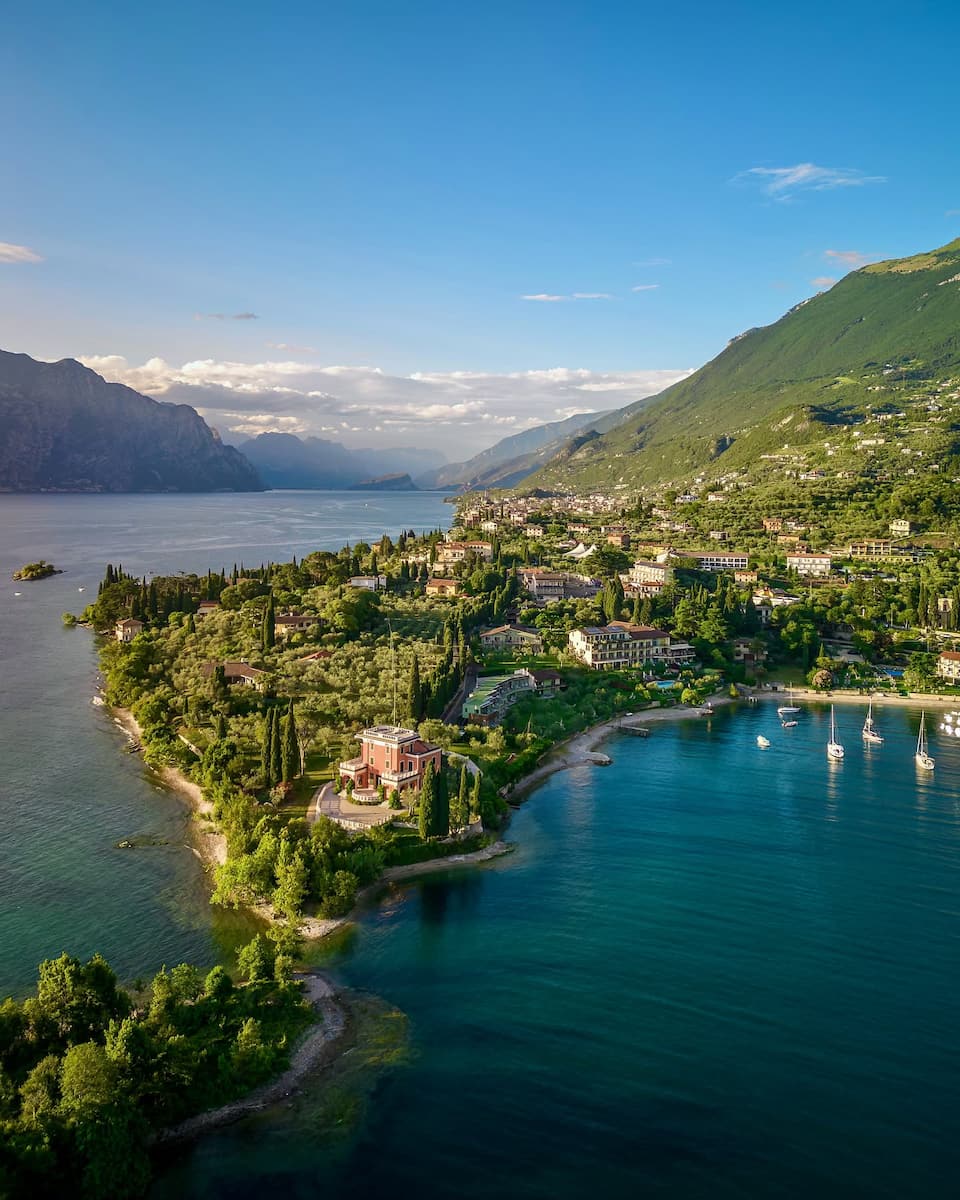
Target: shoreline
[
  {"x": 318, "y": 1048},
  {"x": 211, "y": 844},
  {"x": 580, "y": 749},
  {"x": 315, "y": 928},
  {"x": 880, "y": 699}
]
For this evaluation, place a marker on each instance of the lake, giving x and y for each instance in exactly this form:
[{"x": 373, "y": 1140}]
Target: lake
[
  {"x": 68, "y": 791},
  {"x": 707, "y": 971}
]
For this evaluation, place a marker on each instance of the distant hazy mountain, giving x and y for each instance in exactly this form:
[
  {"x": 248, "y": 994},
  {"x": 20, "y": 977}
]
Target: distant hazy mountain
[
  {"x": 387, "y": 483},
  {"x": 287, "y": 461},
  {"x": 512, "y": 459},
  {"x": 64, "y": 428}
]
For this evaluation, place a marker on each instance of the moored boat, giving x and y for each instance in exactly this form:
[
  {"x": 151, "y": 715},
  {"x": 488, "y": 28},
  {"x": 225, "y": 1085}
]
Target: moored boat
[
  {"x": 922, "y": 757},
  {"x": 869, "y": 733},
  {"x": 834, "y": 748}
]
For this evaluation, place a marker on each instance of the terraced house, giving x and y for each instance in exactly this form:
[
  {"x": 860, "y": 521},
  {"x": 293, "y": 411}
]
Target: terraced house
[
  {"x": 622, "y": 646},
  {"x": 512, "y": 637}
]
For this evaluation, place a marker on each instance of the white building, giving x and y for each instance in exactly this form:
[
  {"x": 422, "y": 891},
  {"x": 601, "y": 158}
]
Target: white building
[
  {"x": 810, "y": 566},
  {"x": 650, "y": 572},
  {"x": 716, "y": 561},
  {"x": 621, "y": 646}
]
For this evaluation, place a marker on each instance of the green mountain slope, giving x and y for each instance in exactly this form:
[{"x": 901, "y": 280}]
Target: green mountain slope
[{"x": 824, "y": 362}]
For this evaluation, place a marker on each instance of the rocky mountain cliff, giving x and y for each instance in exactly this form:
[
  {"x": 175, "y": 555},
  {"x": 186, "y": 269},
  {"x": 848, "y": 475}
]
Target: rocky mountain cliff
[{"x": 64, "y": 428}]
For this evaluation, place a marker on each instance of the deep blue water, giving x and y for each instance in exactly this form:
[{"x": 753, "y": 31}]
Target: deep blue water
[{"x": 708, "y": 971}]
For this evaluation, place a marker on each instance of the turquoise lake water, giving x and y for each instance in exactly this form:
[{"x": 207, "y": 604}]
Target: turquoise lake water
[{"x": 707, "y": 971}]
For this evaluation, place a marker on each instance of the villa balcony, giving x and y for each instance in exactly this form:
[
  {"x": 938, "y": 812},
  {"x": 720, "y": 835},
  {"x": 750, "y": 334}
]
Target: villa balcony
[{"x": 399, "y": 779}]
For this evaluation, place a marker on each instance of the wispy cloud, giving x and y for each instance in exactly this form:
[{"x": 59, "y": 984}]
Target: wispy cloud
[
  {"x": 645, "y": 287},
  {"x": 291, "y": 348},
  {"x": 11, "y": 253},
  {"x": 653, "y": 262},
  {"x": 240, "y": 316},
  {"x": 849, "y": 258},
  {"x": 781, "y": 183},
  {"x": 365, "y": 405},
  {"x": 550, "y": 298},
  {"x": 952, "y": 212},
  {"x": 823, "y": 282}
]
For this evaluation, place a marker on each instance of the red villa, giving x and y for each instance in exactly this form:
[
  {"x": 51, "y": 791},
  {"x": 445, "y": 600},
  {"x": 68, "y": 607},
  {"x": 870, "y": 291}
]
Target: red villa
[{"x": 390, "y": 755}]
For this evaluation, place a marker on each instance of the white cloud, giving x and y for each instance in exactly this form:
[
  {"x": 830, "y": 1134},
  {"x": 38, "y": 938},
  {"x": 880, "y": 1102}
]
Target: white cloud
[
  {"x": 783, "y": 182},
  {"x": 240, "y": 316},
  {"x": 849, "y": 258},
  {"x": 653, "y": 262},
  {"x": 11, "y": 253},
  {"x": 645, "y": 287},
  {"x": 291, "y": 348},
  {"x": 460, "y": 412},
  {"x": 823, "y": 282},
  {"x": 549, "y": 298}
]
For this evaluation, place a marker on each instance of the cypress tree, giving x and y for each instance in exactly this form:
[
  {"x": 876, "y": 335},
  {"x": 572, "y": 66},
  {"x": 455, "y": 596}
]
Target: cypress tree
[
  {"x": 475, "y": 795},
  {"x": 427, "y": 802},
  {"x": 291, "y": 747},
  {"x": 441, "y": 808},
  {"x": 276, "y": 747},
  {"x": 221, "y": 727},
  {"x": 266, "y": 748},
  {"x": 268, "y": 633}
]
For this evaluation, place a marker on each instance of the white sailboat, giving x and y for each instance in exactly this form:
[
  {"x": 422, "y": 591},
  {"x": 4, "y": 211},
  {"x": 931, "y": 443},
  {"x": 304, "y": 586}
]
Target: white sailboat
[
  {"x": 763, "y": 742},
  {"x": 834, "y": 749},
  {"x": 922, "y": 758},
  {"x": 870, "y": 735},
  {"x": 787, "y": 709}
]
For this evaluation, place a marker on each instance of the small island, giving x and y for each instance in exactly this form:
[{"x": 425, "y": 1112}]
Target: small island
[{"x": 36, "y": 570}]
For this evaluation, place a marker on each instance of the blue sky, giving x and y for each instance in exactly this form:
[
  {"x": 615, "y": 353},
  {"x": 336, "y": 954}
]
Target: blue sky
[{"x": 379, "y": 185}]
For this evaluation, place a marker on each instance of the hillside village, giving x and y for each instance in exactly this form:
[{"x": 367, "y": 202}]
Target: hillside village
[
  {"x": 778, "y": 517},
  {"x": 377, "y": 705}
]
